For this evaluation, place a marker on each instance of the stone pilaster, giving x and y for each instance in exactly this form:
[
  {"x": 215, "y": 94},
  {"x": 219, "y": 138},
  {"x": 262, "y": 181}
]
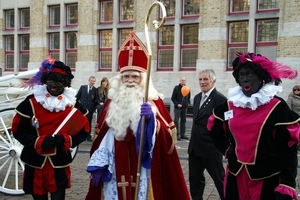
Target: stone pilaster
[{"x": 38, "y": 35}]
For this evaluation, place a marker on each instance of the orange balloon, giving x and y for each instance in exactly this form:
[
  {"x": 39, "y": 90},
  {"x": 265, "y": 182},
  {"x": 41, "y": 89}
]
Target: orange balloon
[{"x": 185, "y": 90}]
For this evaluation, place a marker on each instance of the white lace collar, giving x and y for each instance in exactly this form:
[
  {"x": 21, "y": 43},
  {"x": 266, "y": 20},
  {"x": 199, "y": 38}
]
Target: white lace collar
[
  {"x": 263, "y": 96},
  {"x": 54, "y": 103}
]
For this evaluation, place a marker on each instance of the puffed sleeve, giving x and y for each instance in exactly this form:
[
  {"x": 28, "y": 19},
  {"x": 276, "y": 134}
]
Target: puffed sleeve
[
  {"x": 217, "y": 127},
  {"x": 287, "y": 132}
]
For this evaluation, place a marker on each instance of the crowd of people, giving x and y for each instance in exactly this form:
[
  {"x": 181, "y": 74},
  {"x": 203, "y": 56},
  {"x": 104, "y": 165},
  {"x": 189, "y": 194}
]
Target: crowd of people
[{"x": 252, "y": 128}]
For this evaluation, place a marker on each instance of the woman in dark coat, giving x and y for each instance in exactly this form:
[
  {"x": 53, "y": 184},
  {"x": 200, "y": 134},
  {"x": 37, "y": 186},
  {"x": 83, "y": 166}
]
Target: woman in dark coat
[{"x": 102, "y": 91}]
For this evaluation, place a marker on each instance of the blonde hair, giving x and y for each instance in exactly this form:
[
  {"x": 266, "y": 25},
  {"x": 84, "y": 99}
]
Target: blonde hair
[
  {"x": 103, "y": 90},
  {"x": 296, "y": 87}
]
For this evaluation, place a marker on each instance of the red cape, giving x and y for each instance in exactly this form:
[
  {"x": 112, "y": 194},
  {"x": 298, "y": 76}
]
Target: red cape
[{"x": 166, "y": 173}]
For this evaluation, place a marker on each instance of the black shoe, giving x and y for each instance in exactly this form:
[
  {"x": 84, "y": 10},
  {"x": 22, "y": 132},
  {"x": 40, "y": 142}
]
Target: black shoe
[
  {"x": 89, "y": 138},
  {"x": 184, "y": 137},
  {"x": 178, "y": 137}
]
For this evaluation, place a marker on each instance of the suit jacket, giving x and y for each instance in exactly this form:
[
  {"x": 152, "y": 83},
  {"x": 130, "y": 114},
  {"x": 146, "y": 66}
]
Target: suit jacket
[
  {"x": 201, "y": 143},
  {"x": 177, "y": 97},
  {"x": 88, "y": 100}
]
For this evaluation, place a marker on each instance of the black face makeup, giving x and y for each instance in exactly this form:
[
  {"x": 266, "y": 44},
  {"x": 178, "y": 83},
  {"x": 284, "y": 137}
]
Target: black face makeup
[
  {"x": 249, "y": 81},
  {"x": 55, "y": 88}
]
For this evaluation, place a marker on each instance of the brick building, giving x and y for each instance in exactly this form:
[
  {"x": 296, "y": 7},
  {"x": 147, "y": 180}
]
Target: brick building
[{"x": 86, "y": 35}]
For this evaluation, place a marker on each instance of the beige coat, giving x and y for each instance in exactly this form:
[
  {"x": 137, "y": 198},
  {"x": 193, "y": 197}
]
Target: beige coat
[{"x": 294, "y": 102}]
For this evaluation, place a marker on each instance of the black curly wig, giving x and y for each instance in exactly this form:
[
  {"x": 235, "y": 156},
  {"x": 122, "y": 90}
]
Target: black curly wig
[
  {"x": 65, "y": 79},
  {"x": 260, "y": 72}
]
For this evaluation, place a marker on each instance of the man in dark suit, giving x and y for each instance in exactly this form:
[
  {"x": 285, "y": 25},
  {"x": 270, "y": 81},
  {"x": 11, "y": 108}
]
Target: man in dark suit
[
  {"x": 202, "y": 152},
  {"x": 87, "y": 97},
  {"x": 181, "y": 104}
]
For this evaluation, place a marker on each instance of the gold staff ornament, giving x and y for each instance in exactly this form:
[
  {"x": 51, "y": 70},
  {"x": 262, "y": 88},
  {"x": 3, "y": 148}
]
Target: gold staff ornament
[{"x": 156, "y": 26}]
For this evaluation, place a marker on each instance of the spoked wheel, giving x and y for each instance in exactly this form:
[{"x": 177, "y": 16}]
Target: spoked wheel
[{"x": 11, "y": 166}]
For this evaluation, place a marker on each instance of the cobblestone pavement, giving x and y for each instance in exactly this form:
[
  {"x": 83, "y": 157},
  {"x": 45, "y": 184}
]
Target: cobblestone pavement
[{"x": 80, "y": 178}]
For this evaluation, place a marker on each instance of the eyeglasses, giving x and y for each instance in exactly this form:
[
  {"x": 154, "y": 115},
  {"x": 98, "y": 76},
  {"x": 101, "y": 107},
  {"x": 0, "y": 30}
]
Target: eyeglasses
[
  {"x": 296, "y": 90},
  {"x": 58, "y": 84}
]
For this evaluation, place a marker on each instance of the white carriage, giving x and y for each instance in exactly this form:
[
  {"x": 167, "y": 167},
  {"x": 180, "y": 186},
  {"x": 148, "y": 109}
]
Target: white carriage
[{"x": 11, "y": 166}]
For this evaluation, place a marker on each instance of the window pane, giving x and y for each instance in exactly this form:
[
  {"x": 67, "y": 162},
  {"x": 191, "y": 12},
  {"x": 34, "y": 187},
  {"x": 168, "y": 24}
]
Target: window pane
[
  {"x": 24, "y": 42},
  {"x": 165, "y": 58},
  {"x": 106, "y": 11},
  {"x": 106, "y": 39},
  {"x": 24, "y": 59},
  {"x": 54, "y": 16},
  {"x": 9, "y": 62},
  {"x": 238, "y": 32},
  {"x": 189, "y": 57},
  {"x": 25, "y": 18},
  {"x": 267, "y": 31},
  {"x": 166, "y": 36},
  {"x": 55, "y": 56},
  {"x": 71, "y": 59},
  {"x": 10, "y": 19},
  {"x": 268, "y": 4},
  {"x": 170, "y": 7},
  {"x": 126, "y": 10},
  {"x": 240, "y": 5},
  {"x": 72, "y": 41},
  {"x": 268, "y": 51},
  {"x": 232, "y": 55},
  {"x": 9, "y": 43},
  {"x": 190, "y": 34},
  {"x": 72, "y": 15},
  {"x": 191, "y": 7},
  {"x": 54, "y": 41},
  {"x": 124, "y": 34},
  {"x": 105, "y": 60}
]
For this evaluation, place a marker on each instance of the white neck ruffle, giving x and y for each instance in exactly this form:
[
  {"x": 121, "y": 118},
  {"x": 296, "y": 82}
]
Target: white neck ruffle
[
  {"x": 54, "y": 103},
  {"x": 263, "y": 96}
]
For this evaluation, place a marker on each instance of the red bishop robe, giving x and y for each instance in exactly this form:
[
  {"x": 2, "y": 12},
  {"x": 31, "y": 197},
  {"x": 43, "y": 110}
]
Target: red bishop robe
[{"x": 166, "y": 173}]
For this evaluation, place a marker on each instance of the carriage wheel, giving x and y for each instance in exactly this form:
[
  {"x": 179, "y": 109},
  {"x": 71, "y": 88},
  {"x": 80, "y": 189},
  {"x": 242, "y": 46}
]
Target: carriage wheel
[{"x": 11, "y": 166}]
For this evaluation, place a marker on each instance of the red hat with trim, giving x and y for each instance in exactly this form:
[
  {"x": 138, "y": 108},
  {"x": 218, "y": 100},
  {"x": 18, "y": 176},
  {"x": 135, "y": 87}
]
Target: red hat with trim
[{"x": 133, "y": 54}]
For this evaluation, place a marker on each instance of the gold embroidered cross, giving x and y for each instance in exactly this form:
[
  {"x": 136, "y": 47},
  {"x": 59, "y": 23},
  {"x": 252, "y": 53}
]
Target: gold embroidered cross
[
  {"x": 123, "y": 184},
  {"x": 131, "y": 49}
]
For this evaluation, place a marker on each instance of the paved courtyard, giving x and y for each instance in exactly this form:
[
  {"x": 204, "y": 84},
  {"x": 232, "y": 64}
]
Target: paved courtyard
[{"x": 80, "y": 178}]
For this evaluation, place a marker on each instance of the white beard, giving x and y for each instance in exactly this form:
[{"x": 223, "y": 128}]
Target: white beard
[{"x": 124, "y": 109}]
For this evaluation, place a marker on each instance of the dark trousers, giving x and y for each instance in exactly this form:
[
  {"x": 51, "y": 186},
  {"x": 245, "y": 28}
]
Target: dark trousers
[
  {"x": 90, "y": 119},
  {"x": 214, "y": 167},
  {"x": 180, "y": 114}
]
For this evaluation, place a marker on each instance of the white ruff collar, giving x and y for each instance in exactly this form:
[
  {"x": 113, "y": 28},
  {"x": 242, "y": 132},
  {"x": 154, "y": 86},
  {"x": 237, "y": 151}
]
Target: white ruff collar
[
  {"x": 54, "y": 103},
  {"x": 263, "y": 96}
]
